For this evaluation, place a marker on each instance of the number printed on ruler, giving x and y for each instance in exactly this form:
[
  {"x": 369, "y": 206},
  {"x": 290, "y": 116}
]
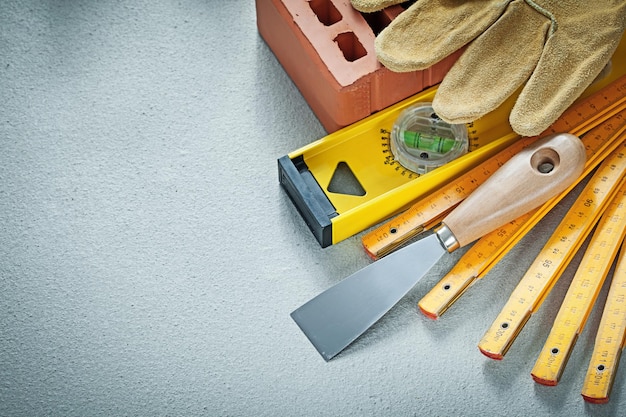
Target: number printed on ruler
[{"x": 610, "y": 338}]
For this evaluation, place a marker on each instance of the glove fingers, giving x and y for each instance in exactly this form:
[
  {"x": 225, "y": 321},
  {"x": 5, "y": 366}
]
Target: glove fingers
[
  {"x": 430, "y": 30},
  {"x": 368, "y": 6},
  {"x": 561, "y": 76},
  {"x": 493, "y": 66}
]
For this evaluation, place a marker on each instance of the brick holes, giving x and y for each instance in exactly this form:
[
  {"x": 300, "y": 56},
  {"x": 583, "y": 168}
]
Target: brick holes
[
  {"x": 350, "y": 46},
  {"x": 325, "y": 11}
]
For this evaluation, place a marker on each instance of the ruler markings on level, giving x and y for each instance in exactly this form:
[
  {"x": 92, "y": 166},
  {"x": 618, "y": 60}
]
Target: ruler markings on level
[{"x": 543, "y": 273}]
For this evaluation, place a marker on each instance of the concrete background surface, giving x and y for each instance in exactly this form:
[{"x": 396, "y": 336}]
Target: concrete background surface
[{"x": 149, "y": 259}]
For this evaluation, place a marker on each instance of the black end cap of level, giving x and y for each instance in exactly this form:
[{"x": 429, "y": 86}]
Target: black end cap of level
[{"x": 308, "y": 197}]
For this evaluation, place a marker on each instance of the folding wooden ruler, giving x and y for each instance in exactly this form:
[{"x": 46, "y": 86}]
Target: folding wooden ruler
[
  {"x": 384, "y": 186},
  {"x": 583, "y": 292},
  {"x": 605, "y": 196},
  {"x": 487, "y": 251},
  {"x": 543, "y": 273}
]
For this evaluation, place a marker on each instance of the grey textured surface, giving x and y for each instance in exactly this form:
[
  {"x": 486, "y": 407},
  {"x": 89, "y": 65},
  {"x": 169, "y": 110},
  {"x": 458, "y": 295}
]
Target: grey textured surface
[{"x": 149, "y": 260}]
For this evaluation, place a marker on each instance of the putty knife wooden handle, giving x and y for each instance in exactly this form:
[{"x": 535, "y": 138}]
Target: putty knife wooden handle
[
  {"x": 529, "y": 179},
  {"x": 339, "y": 315}
]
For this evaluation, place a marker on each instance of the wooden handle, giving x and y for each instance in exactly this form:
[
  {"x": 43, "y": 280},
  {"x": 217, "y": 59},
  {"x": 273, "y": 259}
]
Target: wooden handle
[{"x": 533, "y": 176}]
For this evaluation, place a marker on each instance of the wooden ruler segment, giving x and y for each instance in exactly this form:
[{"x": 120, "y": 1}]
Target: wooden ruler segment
[
  {"x": 581, "y": 117},
  {"x": 583, "y": 292},
  {"x": 610, "y": 339},
  {"x": 555, "y": 255},
  {"x": 487, "y": 251}
]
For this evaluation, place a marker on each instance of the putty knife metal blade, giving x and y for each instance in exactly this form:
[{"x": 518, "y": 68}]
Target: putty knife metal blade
[
  {"x": 338, "y": 316},
  {"x": 372, "y": 294}
]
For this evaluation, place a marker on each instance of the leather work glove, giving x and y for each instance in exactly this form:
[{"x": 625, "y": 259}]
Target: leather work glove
[{"x": 555, "y": 47}]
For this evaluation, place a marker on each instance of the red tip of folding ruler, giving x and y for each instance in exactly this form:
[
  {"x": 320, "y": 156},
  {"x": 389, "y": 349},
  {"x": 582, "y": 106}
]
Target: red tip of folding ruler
[
  {"x": 428, "y": 314},
  {"x": 595, "y": 400},
  {"x": 370, "y": 254},
  {"x": 542, "y": 381},
  {"x": 492, "y": 355}
]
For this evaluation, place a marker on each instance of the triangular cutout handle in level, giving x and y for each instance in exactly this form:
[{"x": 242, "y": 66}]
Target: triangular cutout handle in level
[{"x": 344, "y": 181}]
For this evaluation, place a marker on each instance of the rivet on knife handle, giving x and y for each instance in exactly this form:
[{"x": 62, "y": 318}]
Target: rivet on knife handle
[{"x": 336, "y": 317}]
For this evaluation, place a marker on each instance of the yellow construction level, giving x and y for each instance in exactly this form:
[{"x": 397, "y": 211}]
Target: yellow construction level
[
  {"x": 610, "y": 339},
  {"x": 583, "y": 292},
  {"x": 555, "y": 255},
  {"x": 383, "y": 187}
]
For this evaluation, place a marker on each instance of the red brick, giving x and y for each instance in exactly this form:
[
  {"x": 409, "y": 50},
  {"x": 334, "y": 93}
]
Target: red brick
[{"x": 327, "y": 48}]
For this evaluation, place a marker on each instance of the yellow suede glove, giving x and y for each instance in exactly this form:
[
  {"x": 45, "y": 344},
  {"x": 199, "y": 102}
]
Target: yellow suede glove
[
  {"x": 373, "y": 5},
  {"x": 556, "y": 47}
]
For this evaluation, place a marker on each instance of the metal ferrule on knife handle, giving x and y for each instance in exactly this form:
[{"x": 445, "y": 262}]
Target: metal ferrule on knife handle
[{"x": 446, "y": 237}]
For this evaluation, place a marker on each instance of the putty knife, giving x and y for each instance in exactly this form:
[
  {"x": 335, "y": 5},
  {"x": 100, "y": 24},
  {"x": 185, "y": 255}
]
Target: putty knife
[{"x": 339, "y": 315}]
